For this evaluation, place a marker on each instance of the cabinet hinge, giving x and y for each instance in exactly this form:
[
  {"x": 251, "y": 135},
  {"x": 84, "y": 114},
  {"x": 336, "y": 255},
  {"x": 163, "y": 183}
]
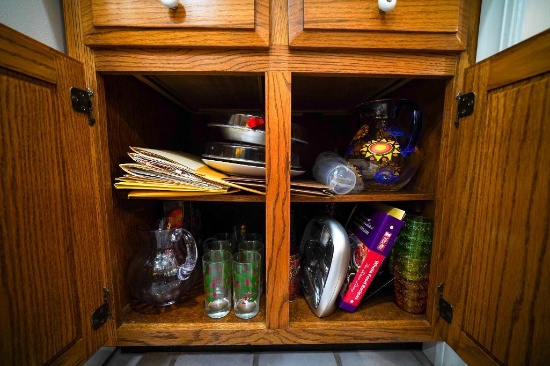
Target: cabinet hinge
[
  {"x": 445, "y": 308},
  {"x": 81, "y": 101},
  {"x": 466, "y": 104},
  {"x": 102, "y": 313}
]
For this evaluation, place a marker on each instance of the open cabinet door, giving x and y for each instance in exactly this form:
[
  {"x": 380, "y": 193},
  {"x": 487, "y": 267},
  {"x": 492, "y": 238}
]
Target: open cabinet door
[
  {"x": 495, "y": 260},
  {"x": 51, "y": 256}
]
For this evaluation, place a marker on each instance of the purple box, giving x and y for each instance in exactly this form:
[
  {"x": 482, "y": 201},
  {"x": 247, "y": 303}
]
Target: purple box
[{"x": 374, "y": 231}]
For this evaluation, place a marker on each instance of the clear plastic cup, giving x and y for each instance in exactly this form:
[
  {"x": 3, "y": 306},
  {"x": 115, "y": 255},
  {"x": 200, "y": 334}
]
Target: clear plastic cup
[{"x": 332, "y": 170}]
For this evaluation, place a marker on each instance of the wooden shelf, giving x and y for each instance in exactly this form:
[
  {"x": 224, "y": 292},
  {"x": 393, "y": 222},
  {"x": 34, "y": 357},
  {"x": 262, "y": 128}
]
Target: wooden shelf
[
  {"x": 188, "y": 310},
  {"x": 378, "y": 320},
  {"x": 183, "y": 323},
  {"x": 402, "y": 195},
  {"x": 374, "y": 310}
]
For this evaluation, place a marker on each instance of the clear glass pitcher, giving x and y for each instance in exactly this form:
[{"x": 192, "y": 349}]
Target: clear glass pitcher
[
  {"x": 384, "y": 149},
  {"x": 166, "y": 268}
]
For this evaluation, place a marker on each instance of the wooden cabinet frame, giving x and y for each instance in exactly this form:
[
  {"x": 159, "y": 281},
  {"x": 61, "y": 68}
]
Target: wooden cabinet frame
[{"x": 281, "y": 322}]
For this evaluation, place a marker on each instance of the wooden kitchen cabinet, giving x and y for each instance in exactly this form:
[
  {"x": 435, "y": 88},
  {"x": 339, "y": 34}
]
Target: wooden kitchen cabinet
[
  {"x": 412, "y": 25},
  {"x": 195, "y": 23},
  {"x": 491, "y": 233}
]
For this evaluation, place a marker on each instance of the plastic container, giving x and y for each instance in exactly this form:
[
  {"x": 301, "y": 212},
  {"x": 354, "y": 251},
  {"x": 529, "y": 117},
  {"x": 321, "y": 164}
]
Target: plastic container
[{"x": 332, "y": 170}]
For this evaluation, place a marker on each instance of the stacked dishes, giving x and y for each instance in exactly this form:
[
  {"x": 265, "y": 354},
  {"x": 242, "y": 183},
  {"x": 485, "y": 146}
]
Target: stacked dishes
[{"x": 246, "y": 159}]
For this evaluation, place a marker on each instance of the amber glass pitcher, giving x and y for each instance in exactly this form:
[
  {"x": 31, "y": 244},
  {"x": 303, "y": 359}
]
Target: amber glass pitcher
[{"x": 384, "y": 149}]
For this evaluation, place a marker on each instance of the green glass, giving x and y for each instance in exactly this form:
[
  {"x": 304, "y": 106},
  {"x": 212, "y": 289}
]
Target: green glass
[
  {"x": 256, "y": 246},
  {"x": 415, "y": 238},
  {"x": 411, "y": 263},
  {"x": 247, "y": 267},
  {"x": 412, "y": 269},
  {"x": 217, "y": 265}
]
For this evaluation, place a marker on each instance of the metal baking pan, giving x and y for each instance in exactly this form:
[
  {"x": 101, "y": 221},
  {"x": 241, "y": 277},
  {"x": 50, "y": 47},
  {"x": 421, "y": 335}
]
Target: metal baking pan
[
  {"x": 250, "y": 129},
  {"x": 240, "y": 153}
]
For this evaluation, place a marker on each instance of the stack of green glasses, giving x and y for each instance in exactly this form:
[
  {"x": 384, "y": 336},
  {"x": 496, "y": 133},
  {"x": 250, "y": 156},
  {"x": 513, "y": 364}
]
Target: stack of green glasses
[{"x": 411, "y": 263}]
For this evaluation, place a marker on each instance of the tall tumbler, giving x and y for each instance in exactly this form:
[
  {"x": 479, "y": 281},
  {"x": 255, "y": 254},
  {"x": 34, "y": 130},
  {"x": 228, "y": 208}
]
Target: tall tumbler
[
  {"x": 229, "y": 237},
  {"x": 247, "y": 267},
  {"x": 256, "y": 246},
  {"x": 411, "y": 263},
  {"x": 216, "y": 266}
]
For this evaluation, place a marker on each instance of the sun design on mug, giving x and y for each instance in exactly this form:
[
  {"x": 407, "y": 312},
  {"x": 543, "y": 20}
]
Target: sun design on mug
[{"x": 381, "y": 149}]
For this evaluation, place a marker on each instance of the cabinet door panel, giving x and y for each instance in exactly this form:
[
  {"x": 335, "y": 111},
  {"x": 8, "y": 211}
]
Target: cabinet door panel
[
  {"x": 496, "y": 251},
  {"x": 33, "y": 257},
  {"x": 50, "y": 270},
  {"x": 507, "y": 301}
]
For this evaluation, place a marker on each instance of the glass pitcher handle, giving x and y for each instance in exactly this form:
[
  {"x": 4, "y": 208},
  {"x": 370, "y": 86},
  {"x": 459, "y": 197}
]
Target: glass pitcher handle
[
  {"x": 185, "y": 270},
  {"x": 416, "y": 128}
]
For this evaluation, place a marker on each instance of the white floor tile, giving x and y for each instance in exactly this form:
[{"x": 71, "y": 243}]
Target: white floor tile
[
  {"x": 397, "y": 357},
  {"x": 125, "y": 359},
  {"x": 138, "y": 359},
  {"x": 296, "y": 359},
  {"x": 215, "y": 359},
  {"x": 379, "y": 358}
]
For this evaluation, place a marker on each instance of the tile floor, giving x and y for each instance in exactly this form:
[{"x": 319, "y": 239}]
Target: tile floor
[{"x": 378, "y": 357}]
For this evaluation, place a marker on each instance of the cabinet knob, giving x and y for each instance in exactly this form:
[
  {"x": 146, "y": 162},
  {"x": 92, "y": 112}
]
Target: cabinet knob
[
  {"x": 171, "y": 4},
  {"x": 386, "y": 5}
]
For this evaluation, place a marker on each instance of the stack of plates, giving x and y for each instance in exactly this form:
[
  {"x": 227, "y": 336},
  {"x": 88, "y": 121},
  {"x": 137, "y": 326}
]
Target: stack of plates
[
  {"x": 251, "y": 129},
  {"x": 242, "y": 159}
]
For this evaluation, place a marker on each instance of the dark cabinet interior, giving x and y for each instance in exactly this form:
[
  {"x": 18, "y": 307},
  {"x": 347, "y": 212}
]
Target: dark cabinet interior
[{"x": 173, "y": 112}]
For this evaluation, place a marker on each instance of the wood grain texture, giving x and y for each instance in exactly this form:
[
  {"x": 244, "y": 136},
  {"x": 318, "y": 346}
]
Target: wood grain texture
[
  {"x": 408, "y": 16},
  {"x": 122, "y": 117},
  {"x": 430, "y": 95},
  {"x": 84, "y": 190},
  {"x": 355, "y": 24},
  {"x": 98, "y": 140},
  {"x": 441, "y": 252},
  {"x": 22, "y": 54},
  {"x": 360, "y": 197},
  {"x": 380, "y": 321},
  {"x": 277, "y": 59},
  {"x": 278, "y": 23},
  {"x": 498, "y": 227},
  {"x": 455, "y": 214},
  {"x": 278, "y": 113},
  {"x": 52, "y": 265},
  {"x": 375, "y": 40},
  {"x": 508, "y": 293},
  {"x": 75, "y": 355},
  {"x": 38, "y": 278},
  {"x": 528, "y": 60},
  {"x": 233, "y": 14},
  {"x": 132, "y": 124},
  {"x": 162, "y": 335},
  {"x": 175, "y": 29}
]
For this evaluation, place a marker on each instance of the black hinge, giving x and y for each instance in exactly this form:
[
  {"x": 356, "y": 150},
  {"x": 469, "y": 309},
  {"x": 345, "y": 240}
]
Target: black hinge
[
  {"x": 466, "y": 104},
  {"x": 81, "y": 101},
  {"x": 102, "y": 313},
  {"x": 445, "y": 308}
]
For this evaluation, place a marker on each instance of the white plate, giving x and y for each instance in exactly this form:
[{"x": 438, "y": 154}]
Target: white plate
[{"x": 241, "y": 169}]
